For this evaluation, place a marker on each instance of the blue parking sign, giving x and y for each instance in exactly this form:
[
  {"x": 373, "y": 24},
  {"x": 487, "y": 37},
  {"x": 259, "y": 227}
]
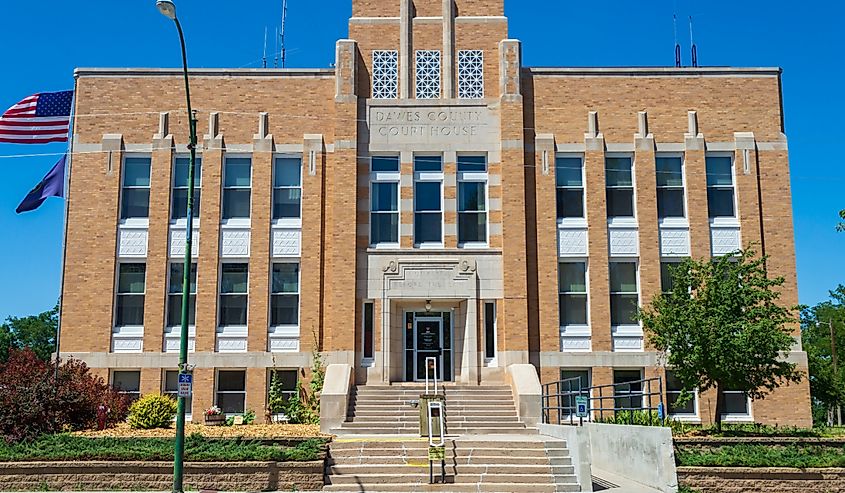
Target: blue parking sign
[
  {"x": 186, "y": 378},
  {"x": 186, "y": 381}
]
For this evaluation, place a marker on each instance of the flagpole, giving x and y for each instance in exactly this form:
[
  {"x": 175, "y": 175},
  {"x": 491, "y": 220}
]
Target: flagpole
[{"x": 66, "y": 193}]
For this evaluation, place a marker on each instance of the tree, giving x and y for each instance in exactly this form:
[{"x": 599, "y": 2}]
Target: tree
[
  {"x": 36, "y": 332},
  {"x": 841, "y": 226},
  {"x": 721, "y": 327},
  {"x": 822, "y": 329}
]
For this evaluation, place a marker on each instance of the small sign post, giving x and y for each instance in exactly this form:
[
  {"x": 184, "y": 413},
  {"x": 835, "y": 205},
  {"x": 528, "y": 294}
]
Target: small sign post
[
  {"x": 186, "y": 384},
  {"x": 582, "y": 407},
  {"x": 436, "y": 445}
]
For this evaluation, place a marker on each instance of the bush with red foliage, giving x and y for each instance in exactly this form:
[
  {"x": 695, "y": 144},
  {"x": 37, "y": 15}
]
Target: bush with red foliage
[{"x": 33, "y": 402}]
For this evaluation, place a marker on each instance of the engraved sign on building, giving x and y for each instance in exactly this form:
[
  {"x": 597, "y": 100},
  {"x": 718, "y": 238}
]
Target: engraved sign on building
[{"x": 442, "y": 124}]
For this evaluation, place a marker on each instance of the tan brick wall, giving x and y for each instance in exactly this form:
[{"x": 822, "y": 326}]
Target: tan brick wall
[
  {"x": 696, "y": 190},
  {"x": 598, "y": 266},
  {"x": 260, "y": 268},
  {"x": 209, "y": 251},
  {"x": 155, "y": 301},
  {"x": 646, "y": 198}
]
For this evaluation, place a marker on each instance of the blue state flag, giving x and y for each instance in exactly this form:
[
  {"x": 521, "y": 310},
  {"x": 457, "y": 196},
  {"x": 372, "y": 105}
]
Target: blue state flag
[{"x": 53, "y": 185}]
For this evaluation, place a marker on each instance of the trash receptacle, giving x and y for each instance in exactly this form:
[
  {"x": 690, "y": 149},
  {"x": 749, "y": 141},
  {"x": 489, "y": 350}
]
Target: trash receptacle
[{"x": 424, "y": 400}]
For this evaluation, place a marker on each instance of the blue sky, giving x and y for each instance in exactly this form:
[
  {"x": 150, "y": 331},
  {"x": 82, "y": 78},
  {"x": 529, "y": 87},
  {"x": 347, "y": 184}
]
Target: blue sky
[{"x": 805, "y": 41}]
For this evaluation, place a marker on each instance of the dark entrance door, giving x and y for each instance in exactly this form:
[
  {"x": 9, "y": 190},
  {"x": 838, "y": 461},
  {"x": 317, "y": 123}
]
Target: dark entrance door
[{"x": 429, "y": 344}]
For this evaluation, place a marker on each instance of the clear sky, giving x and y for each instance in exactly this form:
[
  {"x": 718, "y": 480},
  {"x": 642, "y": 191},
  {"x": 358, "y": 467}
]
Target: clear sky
[{"x": 805, "y": 39}]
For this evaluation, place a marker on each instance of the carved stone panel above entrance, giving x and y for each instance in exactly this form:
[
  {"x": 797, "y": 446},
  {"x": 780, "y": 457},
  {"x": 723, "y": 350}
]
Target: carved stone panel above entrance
[{"x": 427, "y": 279}]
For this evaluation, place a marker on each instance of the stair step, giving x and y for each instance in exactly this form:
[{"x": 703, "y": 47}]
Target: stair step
[
  {"x": 457, "y": 488},
  {"x": 456, "y": 470},
  {"x": 337, "y": 459},
  {"x": 401, "y": 476}
]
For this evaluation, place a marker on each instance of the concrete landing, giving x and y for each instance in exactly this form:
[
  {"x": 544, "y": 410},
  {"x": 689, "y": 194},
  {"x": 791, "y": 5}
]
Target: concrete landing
[{"x": 611, "y": 483}]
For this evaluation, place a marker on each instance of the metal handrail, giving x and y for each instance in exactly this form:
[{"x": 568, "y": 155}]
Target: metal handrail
[
  {"x": 433, "y": 360},
  {"x": 558, "y": 399}
]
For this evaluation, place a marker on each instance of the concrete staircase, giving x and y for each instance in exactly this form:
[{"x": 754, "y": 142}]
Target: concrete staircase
[
  {"x": 503, "y": 463},
  {"x": 387, "y": 410}
]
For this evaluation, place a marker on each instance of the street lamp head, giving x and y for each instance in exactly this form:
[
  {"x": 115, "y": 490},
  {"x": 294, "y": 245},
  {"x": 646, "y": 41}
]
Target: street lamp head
[{"x": 167, "y": 8}]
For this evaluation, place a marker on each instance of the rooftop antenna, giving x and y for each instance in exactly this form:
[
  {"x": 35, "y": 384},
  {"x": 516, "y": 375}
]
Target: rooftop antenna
[
  {"x": 282, "y": 32},
  {"x": 677, "y": 45},
  {"x": 276, "y": 50},
  {"x": 264, "y": 58},
  {"x": 692, "y": 43}
]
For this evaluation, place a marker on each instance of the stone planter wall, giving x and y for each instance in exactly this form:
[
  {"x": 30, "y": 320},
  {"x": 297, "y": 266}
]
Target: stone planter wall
[
  {"x": 763, "y": 480},
  {"x": 158, "y": 476}
]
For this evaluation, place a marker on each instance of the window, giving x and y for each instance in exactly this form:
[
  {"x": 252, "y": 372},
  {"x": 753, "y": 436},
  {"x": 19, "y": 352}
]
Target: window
[
  {"x": 127, "y": 382},
  {"x": 628, "y": 390},
  {"x": 670, "y": 188},
  {"x": 284, "y": 308},
  {"x": 569, "y": 176},
  {"x": 583, "y": 383},
  {"x": 720, "y": 187},
  {"x": 369, "y": 337},
  {"x": 287, "y": 188},
  {"x": 673, "y": 392},
  {"x": 667, "y": 267},
  {"x": 234, "y": 294},
  {"x": 428, "y": 74},
  {"x": 471, "y": 74},
  {"x": 736, "y": 404},
  {"x": 179, "y": 199},
  {"x": 237, "y": 181},
  {"x": 384, "y": 200},
  {"x": 231, "y": 391},
  {"x": 620, "y": 187},
  {"x": 572, "y": 283},
  {"x": 624, "y": 293},
  {"x": 472, "y": 200},
  {"x": 135, "y": 196},
  {"x": 385, "y": 74},
  {"x": 131, "y": 285},
  {"x": 171, "y": 388},
  {"x": 490, "y": 330},
  {"x": 174, "y": 295},
  {"x": 428, "y": 200},
  {"x": 286, "y": 382}
]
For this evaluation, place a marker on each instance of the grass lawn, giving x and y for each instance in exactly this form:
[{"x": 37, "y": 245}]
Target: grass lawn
[
  {"x": 198, "y": 449},
  {"x": 798, "y": 456},
  {"x": 754, "y": 430}
]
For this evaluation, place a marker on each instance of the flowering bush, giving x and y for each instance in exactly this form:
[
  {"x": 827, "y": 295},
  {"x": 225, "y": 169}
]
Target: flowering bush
[
  {"x": 213, "y": 411},
  {"x": 34, "y": 402}
]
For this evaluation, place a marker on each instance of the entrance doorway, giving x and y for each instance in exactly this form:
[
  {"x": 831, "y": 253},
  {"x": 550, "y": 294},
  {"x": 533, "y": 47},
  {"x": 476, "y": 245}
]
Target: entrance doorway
[{"x": 428, "y": 335}]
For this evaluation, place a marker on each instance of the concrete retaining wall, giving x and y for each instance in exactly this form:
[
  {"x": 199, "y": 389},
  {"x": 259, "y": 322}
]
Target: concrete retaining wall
[
  {"x": 763, "y": 480},
  {"x": 158, "y": 476},
  {"x": 578, "y": 442},
  {"x": 644, "y": 454}
]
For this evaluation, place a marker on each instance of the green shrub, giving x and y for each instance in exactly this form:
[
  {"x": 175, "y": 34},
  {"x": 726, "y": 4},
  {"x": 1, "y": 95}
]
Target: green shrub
[
  {"x": 797, "y": 456},
  {"x": 248, "y": 415},
  {"x": 152, "y": 411},
  {"x": 637, "y": 418}
]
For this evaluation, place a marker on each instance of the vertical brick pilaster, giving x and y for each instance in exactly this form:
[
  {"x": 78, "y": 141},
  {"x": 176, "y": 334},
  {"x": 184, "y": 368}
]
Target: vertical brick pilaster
[
  {"x": 599, "y": 280},
  {"x": 406, "y": 196},
  {"x": 311, "y": 269},
  {"x": 209, "y": 246},
  {"x": 256, "y": 392},
  {"x": 259, "y": 251},
  {"x": 646, "y": 180},
  {"x": 450, "y": 201},
  {"x": 158, "y": 249},
  {"x": 545, "y": 193},
  {"x": 203, "y": 397},
  {"x": 151, "y": 381},
  {"x": 696, "y": 175}
]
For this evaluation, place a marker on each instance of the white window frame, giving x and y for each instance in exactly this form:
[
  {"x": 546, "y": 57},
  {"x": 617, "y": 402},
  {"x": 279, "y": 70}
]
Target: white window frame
[
  {"x": 430, "y": 177},
  {"x": 126, "y": 392},
  {"x": 724, "y": 221},
  {"x": 298, "y": 294},
  {"x": 135, "y": 221},
  {"x": 183, "y": 221},
  {"x": 287, "y": 222},
  {"x": 118, "y": 294},
  {"x": 175, "y": 393},
  {"x": 694, "y": 417},
  {"x": 389, "y": 177},
  {"x": 385, "y": 74},
  {"x": 589, "y": 383},
  {"x": 669, "y": 260},
  {"x": 470, "y": 85},
  {"x": 622, "y": 221},
  {"x": 642, "y": 390},
  {"x": 238, "y": 221},
  {"x": 574, "y": 222},
  {"x": 220, "y": 295},
  {"x": 174, "y": 331},
  {"x": 217, "y": 390},
  {"x": 576, "y": 328},
  {"x": 675, "y": 222},
  {"x": 629, "y": 329},
  {"x": 435, "y": 74},
  {"x": 473, "y": 177},
  {"x": 738, "y": 417},
  {"x": 491, "y": 361}
]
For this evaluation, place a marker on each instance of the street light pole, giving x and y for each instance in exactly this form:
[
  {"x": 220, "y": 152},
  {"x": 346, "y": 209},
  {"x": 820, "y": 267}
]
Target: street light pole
[{"x": 168, "y": 9}]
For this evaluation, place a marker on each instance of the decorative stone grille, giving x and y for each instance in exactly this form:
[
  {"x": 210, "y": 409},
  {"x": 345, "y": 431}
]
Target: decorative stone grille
[
  {"x": 385, "y": 74},
  {"x": 428, "y": 74},
  {"x": 471, "y": 74}
]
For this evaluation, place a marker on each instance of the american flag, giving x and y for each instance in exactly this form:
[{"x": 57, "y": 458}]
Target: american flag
[{"x": 38, "y": 119}]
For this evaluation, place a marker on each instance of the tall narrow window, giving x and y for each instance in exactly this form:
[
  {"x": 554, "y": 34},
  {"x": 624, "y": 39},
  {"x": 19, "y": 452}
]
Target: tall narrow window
[
  {"x": 628, "y": 389},
  {"x": 428, "y": 200},
  {"x": 620, "y": 187},
  {"x": 135, "y": 195},
  {"x": 575, "y": 381},
  {"x": 237, "y": 183},
  {"x": 490, "y": 330},
  {"x": 179, "y": 200},
  {"x": 234, "y": 289},
  {"x": 720, "y": 187},
  {"x": 127, "y": 382},
  {"x": 573, "y": 293},
  {"x": 384, "y": 200},
  {"x": 624, "y": 293},
  {"x": 286, "y": 382},
  {"x": 174, "y": 295},
  {"x": 471, "y": 74},
  {"x": 670, "y": 188},
  {"x": 231, "y": 391},
  {"x": 667, "y": 273},
  {"x": 369, "y": 338},
  {"x": 385, "y": 74},
  {"x": 674, "y": 389},
  {"x": 131, "y": 282},
  {"x": 284, "y": 309},
  {"x": 171, "y": 388},
  {"x": 287, "y": 188},
  {"x": 472, "y": 200},
  {"x": 569, "y": 176},
  {"x": 428, "y": 74},
  {"x": 736, "y": 404}
]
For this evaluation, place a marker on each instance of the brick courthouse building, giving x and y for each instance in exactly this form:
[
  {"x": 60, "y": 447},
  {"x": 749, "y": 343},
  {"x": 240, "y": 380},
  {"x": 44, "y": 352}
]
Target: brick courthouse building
[{"x": 428, "y": 196}]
